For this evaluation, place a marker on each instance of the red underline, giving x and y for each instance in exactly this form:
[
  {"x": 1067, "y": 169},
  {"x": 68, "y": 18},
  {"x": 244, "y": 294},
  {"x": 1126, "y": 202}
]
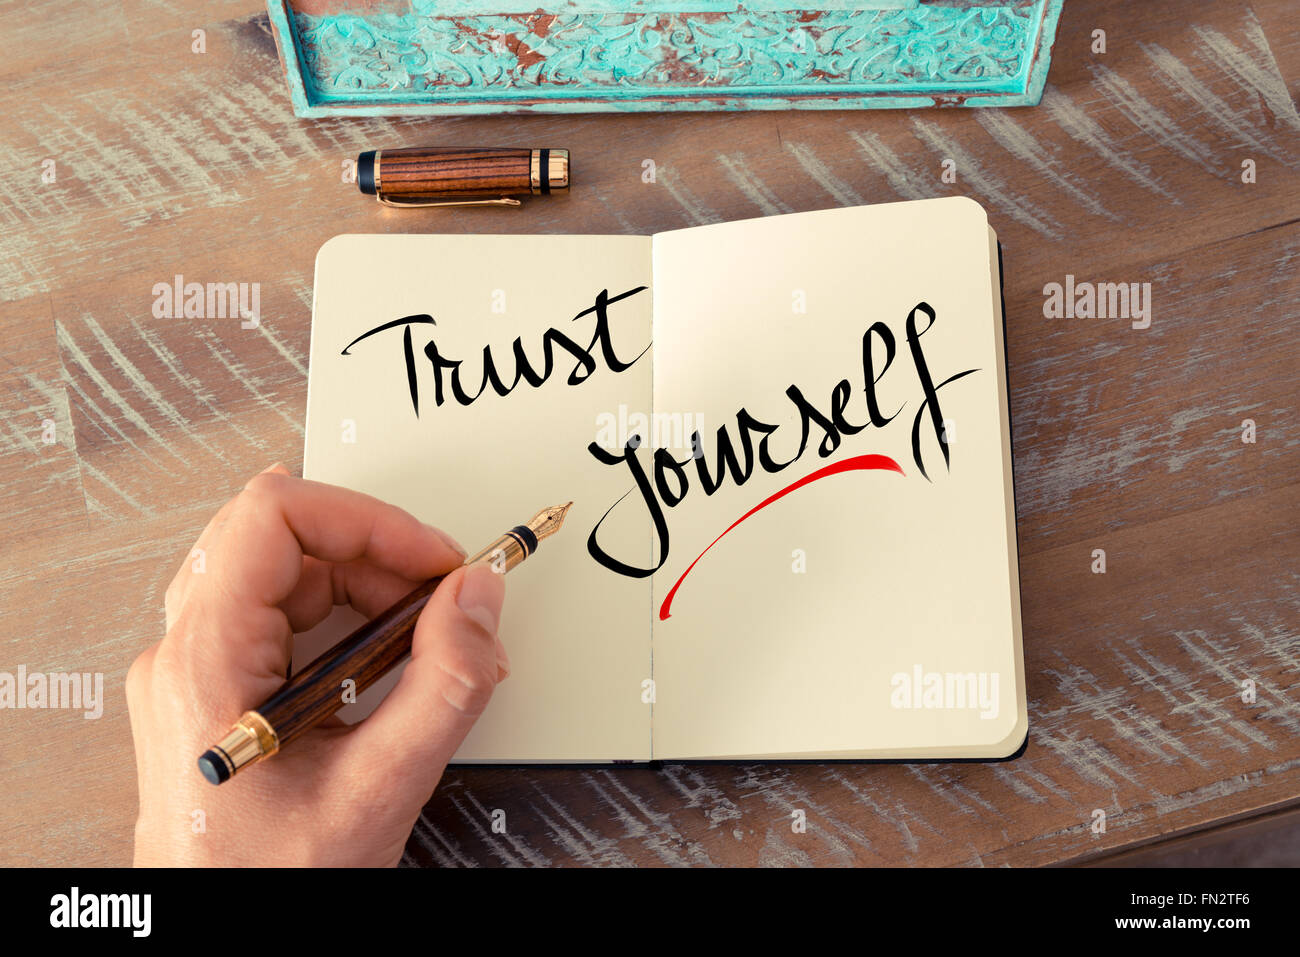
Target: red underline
[{"x": 858, "y": 463}]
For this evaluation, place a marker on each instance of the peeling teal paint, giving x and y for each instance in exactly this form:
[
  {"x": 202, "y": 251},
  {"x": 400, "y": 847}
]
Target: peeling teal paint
[{"x": 652, "y": 56}]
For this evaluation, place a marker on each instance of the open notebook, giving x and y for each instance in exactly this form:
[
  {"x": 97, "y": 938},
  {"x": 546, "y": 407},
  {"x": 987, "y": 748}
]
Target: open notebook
[{"x": 828, "y": 571}]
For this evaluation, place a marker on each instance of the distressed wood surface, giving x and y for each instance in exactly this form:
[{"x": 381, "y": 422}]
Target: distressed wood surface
[{"x": 173, "y": 162}]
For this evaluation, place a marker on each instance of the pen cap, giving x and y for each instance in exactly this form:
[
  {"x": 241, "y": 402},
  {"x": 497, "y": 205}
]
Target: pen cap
[{"x": 449, "y": 172}]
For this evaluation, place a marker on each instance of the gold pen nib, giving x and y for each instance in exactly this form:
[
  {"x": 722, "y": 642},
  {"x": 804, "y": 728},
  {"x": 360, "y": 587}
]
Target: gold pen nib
[{"x": 548, "y": 520}]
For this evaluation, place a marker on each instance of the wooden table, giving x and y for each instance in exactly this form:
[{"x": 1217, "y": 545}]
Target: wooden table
[{"x": 1129, "y": 440}]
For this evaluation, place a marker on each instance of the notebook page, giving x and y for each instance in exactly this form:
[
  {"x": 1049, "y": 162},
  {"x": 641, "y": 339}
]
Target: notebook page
[
  {"x": 576, "y": 634},
  {"x": 864, "y": 612}
]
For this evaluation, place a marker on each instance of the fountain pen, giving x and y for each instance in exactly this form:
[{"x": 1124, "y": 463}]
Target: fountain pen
[{"x": 368, "y": 653}]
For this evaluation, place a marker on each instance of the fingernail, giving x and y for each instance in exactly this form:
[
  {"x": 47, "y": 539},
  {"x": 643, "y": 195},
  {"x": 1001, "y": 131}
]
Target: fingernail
[
  {"x": 272, "y": 467},
  {"x": 503, "y": 661},
  {"x": 481, "y": 593},
  {"x": 448, "y": 540}
]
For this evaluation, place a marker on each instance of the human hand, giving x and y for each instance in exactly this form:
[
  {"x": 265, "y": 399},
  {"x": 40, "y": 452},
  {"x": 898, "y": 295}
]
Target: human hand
[{"x": 278, "y": 557}]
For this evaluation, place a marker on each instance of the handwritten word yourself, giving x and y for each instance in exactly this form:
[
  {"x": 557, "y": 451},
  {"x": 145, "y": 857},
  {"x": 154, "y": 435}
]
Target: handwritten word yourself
[{"x": 672, "y": 477}]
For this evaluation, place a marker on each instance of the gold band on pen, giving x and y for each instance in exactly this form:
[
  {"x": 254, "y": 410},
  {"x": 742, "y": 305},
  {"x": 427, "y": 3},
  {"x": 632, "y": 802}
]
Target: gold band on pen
[
  {"x": 251, "y": 739},
  {"x": 508, "y": 551},
  {"x": 558, "y": 170}
]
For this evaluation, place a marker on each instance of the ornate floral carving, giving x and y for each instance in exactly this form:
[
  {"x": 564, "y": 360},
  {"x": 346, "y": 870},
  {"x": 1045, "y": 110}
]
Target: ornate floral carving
[{"x": 926, "y": 50}]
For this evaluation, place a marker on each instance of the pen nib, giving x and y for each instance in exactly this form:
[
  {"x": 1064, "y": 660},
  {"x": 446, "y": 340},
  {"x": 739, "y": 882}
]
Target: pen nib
[{"x": 548, "y": 520}]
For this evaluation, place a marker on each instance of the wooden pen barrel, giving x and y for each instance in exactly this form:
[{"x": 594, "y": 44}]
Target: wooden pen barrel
[
  {"x": 451, "y": 173},
  {"x": 368, "y": 653}
]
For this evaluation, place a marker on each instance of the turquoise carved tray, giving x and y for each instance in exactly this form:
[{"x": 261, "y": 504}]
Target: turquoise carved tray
[{"x": 425, "y": 57}]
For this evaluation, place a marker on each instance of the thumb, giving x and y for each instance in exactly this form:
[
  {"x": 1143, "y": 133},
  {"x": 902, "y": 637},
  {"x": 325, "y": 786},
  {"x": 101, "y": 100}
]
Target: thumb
[{"x": 456, "y": 662}]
